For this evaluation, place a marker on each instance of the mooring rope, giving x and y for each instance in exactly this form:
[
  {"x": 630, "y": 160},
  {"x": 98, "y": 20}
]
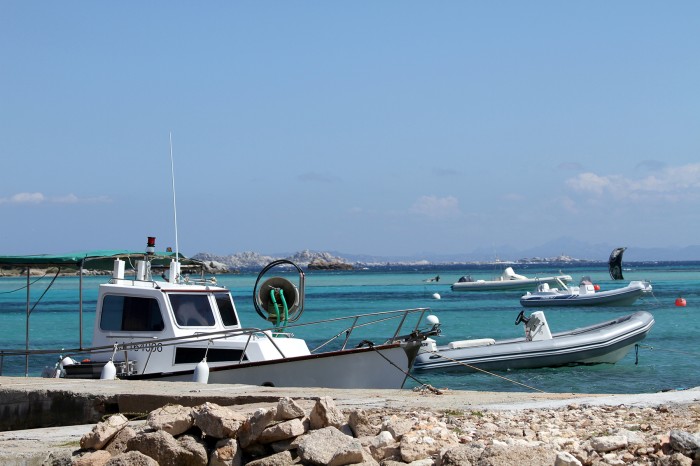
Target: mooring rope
[
  {"x": 487, "y": 372},
  {"x": 669, "y": 350},
  {"x": 428, "y": 386}
]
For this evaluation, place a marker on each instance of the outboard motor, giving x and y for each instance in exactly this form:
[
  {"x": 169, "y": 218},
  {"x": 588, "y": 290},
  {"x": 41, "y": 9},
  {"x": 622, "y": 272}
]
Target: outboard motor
[{"x": 536, "y": 328}]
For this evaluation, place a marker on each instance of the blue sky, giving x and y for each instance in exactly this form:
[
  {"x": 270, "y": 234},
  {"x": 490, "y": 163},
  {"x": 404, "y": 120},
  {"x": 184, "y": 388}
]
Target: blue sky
[{"x": 378, "y": 127}]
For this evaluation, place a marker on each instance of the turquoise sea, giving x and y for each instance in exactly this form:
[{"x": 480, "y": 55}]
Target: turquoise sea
[{"x": 669, "y": 358}]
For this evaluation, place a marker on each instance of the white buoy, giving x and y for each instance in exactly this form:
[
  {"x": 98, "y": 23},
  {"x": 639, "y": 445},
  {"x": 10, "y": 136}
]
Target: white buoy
[
  {"x": 436, "y": 295},
  {"x": 109, "y": 371},
  {"x": 432, "y": 319},
  {"x": 201, "y": 372}
]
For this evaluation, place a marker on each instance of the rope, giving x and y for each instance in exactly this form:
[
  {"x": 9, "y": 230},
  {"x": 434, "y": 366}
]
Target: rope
[
  {"x": 458, "y": 362},
  {"x": 669, "y": 350},
  {"x": 487, "y": 372},
  {"x": 25, "y": 286}
]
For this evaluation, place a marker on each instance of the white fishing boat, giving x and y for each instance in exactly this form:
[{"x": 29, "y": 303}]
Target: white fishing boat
[
  {"x": 585, "y": 294},
  {"x": 507, "y": 281},
  {"x": 182, "y": 328},
  {"x": 604, "y": 342}
]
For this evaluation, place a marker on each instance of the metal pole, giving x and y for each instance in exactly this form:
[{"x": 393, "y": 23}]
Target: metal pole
[
  {"x": 80, "y": 305},
  {"x": 26, "y": 338}
]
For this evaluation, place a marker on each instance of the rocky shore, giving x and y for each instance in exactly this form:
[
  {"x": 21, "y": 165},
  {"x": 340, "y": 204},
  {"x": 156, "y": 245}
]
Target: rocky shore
[{"x": 320, "y": 433}]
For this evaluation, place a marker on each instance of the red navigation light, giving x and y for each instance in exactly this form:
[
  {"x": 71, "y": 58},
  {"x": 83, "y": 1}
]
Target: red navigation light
[{"x": 151, "y": 245}]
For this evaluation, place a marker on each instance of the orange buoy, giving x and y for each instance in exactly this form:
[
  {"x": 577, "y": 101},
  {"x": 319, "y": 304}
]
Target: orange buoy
[
  {"x": 596, "y": 287},
  {"x": 680, "y": 302}
]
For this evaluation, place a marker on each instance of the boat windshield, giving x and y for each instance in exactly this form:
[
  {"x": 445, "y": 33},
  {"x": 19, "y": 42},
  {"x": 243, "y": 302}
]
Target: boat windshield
[
  {"x": 192, "y": 310},
  {"x": 226, "y": 310}
]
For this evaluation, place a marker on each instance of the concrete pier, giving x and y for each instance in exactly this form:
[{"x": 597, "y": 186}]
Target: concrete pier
[{"x": 27, "y": 403}]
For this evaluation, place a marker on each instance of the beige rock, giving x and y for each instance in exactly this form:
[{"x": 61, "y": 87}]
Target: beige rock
[
  {"x": 282, "y": 431},
  {"x": 226, "y": 453},
  {"x": 217, "y": 421},
  {"x": 132, "y": 458},
  {"x": 93, "y": 458},
  {"x": 118, "y": 443},
  {"x": 255, "y": 425},
  {"x": 325, "y": 413},
  {"x": 288, "y": 409},
  {"x": 174, "y": 419},
  {"x": 103, "y": 432}
]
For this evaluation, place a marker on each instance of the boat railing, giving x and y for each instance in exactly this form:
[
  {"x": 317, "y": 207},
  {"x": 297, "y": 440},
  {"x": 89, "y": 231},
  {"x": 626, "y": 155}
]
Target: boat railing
[{"x": 356, "y": 322}]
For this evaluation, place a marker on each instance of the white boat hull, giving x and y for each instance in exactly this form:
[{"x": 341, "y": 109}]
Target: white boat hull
[
  {"x": 606, "y": 342},
  {"x": 505, "y": 285},
  {"x": 383, "y": 367},
  {"x": 625, "y": 296}
]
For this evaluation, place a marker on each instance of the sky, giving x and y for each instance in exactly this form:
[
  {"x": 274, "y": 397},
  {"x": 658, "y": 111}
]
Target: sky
[{"x": 363, "y": 127}]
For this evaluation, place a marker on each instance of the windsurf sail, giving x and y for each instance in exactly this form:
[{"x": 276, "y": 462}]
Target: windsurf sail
[{"x": 615, "y": 263}]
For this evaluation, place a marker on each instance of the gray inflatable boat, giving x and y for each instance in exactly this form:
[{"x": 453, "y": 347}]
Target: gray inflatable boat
[{"x": 605, "y": 342}]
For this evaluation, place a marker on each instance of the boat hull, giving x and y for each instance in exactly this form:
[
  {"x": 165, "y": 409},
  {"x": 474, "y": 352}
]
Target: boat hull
[
  {"x": 505, "y": 285},
  {"x": 621, "y": 297},
  {"x": 607, "y": 342},
  {"x": 381, "y": 366}
]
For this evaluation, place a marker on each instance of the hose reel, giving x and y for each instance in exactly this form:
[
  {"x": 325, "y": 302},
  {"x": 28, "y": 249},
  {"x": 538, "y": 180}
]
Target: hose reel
[{"x": 278, "y": 300}]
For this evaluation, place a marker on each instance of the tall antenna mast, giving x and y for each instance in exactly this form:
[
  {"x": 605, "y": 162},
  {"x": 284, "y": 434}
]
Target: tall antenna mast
[{"x": 172, "y": 173}]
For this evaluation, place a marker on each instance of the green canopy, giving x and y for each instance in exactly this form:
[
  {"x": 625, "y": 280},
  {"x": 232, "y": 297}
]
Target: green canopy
[{"x": 93, "y": 260}]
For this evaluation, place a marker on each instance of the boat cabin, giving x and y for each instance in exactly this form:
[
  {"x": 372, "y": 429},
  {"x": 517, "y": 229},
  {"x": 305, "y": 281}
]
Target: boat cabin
[{"x": 145, "y": 326}]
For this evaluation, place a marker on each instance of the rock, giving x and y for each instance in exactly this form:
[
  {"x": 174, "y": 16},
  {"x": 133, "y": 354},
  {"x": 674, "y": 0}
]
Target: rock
[
  {"x": 132, "y": 458},
  {"x": 174, "y": 419},
  {"x": 565, "y": 458},
  {"x": 103, "y": 432},
  {"x": 384, "y": 446},
  {"x": 397, "y": 426},
  {"x": 423, "y": 443},
  {"x": 361, "y": 425},
  {"x": 683, "y": 442},
  {"x": 118, "y": 443},
  {"x": 193, "y": 450},
  {"x": 159, "y": 445},
  {"x": 328, "y": 446},
  {"x": 226, "y": 453},
  {"x": 282, "y": 431},
  {"x": 608, "y": 443},
  {"x": 325, "y": 414},
  {"x": 288, "y": 409},
  {"x": 217, "y": 421},
  {"x": 255, "y": 425},
  {"x": 463, "y": 455},
  {"x": 278, "y": 459},
  {"x": 93, "y": 458},
  {"x": 516, "y": 455}
]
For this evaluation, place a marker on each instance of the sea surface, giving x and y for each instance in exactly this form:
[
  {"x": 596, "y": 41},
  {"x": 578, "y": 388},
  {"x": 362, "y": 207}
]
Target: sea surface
[{"x": 668, "y": 359}]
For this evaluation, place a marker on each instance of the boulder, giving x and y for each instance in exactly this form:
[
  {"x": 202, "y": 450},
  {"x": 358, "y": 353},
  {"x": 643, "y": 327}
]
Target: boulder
[
  {"x": 288, "y": 409},
  {"x": 118, "y": 443},
  {"x": 132, "y": 458},
  {"x": 328, "y": 446},
  {"x": 103, "y": 432},
  {"x": 326, "y": 414},
  {"x": 282, "y": 431},
  {"x": 227, "y": 452},
  {"x": 217, "y": 421},
  {"x": 174, "y": 419},
  {"x": 255, "y": 425}
]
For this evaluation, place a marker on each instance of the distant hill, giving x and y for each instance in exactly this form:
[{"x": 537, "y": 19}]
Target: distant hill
[{"x": 558, "y": 251}]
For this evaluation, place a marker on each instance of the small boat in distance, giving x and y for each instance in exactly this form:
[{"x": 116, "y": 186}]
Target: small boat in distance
[
  {"x": 604, "y": 342},
  {"x": 507, "y": 281},
  {"x": 585, "y": 295},
  {"x": 181, "y": 328}
]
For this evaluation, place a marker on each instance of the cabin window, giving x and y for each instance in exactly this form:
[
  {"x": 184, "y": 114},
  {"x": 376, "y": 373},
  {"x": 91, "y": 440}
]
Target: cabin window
[
  {"x": 192, "y": 310},
  {"x": 131, "y": 313},
  {"x": 228, "y": 314}
]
